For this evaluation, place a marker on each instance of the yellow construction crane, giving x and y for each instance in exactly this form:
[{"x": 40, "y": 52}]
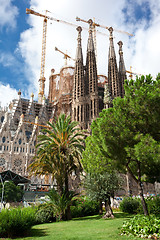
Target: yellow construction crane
[
  {"x": 33, "y": 123},
  {"x": 43, "y": 55},
  {"x": 94, "y": 25},
  {"x": 101, "y": 26},
  {"x": 66, "y": 56},
  {"x": 133, "y": 73},
  {"x": 37, "y": 124}
]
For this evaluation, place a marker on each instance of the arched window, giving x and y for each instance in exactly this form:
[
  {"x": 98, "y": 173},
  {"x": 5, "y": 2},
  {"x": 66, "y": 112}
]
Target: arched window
[{"x": 2, "y": 119}]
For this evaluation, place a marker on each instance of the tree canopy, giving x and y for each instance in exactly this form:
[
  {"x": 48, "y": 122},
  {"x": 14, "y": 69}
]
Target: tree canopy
[{"x": 127, "y": 135}]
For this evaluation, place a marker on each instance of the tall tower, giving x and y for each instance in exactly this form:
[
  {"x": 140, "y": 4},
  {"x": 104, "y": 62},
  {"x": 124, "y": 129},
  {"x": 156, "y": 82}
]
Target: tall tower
[
  {"x": 78, "y": 96},
  {"x": 122, "y": 70},
  {"x": 92, "y": 103},
  {"x": 113, "y": 78}
]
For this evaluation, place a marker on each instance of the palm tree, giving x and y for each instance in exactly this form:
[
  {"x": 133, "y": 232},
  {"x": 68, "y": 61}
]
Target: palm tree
[
  {"x": 60, "y": 202},
  {"x": 59, "y": 151}
]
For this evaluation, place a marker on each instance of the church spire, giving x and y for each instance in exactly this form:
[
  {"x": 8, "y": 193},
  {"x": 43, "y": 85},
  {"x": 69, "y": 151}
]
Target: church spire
[
  {"x": 122, "y": 70},
  {"x": 79, "y": 55},
  {"x": 90, "y": 45},
  {"x": 91, "y": 77},
  {"x": 113, "y": 79},
  {"x": 78, "y": 82},
  {"x": 78, "y": 96},
  {"x": 111, "y": 47},
  {"x": 91, "y": 68}
]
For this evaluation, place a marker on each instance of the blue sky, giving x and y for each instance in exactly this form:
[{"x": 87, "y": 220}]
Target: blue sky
[
  {"x": 21, "y": 37},
  {"x": 11, "y": 66}
]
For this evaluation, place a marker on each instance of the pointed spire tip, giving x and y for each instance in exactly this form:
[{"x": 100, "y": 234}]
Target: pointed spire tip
[{"x": 79, "y": 29}]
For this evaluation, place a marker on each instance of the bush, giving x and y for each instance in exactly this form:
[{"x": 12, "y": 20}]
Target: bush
[
  {"x": 82, "y": 207},
  {"x": 12, "y": 192},
  {"x": 45, "y": 213},
  {"x": 142, "y": 226},
  {"x": 16, "y": 222},
  {"x": 129, "y": 205}
]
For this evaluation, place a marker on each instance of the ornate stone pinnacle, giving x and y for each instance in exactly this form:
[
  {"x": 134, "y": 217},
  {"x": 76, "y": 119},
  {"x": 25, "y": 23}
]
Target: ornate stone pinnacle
[
  {"x": 19, "y": 92},
  {"x": 90, "y": 22},
  {"x": 120, "y": 43},
  {"x": 79, "y": 29},
  {"x": 52, "y": 71},
  {"x": 32, "y": 95},
  {"x": 110, "y": 30}
]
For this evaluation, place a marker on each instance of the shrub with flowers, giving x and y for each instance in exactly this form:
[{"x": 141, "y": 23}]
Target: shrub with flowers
[
  {"x": 142, "y": 226},
  {"x": 82, "y": 206}
]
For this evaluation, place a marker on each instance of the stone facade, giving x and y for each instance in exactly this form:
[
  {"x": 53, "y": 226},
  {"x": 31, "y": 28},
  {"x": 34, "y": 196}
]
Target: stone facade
[{"x": 17, "y": 137}]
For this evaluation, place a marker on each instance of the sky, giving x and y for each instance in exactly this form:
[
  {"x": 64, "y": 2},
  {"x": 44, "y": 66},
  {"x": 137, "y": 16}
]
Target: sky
[{"x": 21, "y": 39}]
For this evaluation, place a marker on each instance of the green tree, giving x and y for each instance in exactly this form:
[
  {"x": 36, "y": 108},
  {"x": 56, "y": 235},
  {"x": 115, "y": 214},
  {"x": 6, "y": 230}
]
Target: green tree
[
  {"x": 12, "y": 193},
  {"x": 128, "y": 135},
  {"x": 102, "y": 186},
  {"x": 59, "y": 152},
  {"x": 101, "y": 181}
]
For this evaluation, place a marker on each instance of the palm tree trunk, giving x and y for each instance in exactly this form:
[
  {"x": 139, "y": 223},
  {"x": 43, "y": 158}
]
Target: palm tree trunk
[
  {"x": 59, "y": 186},
  {"x": 68, "y": 210}
]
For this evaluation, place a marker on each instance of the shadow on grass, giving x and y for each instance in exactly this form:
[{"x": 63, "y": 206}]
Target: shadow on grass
[
  {"x": 96, "y": 217},
  {"x": 37, "y": 233},
  {"x": 31, "y": 233},
  {"x": 122, "y": 215}
]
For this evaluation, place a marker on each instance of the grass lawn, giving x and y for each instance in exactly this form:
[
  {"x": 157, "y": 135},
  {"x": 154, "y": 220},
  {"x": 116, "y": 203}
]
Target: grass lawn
[{"x": 87, "y": 228}]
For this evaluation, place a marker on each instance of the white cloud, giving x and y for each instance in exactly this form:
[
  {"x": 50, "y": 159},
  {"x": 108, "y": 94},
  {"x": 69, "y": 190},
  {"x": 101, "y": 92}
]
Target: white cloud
[
  {"x": 7, "y": 94},
  {"x": 8, "y": 13},
  {"x": 7, "y": 59},
  {"x": 146, "y": 49}
]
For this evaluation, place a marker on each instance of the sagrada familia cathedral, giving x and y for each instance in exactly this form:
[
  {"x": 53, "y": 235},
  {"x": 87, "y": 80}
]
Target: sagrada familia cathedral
[{"x": 77, "y": 91}]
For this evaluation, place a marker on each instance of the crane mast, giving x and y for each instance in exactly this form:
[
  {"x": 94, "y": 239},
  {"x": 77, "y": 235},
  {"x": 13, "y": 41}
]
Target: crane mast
[
  {"x": 94, "y": 37},
  {"x": 43, "y": 60},
  {"x": 43, "y": 54}
]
